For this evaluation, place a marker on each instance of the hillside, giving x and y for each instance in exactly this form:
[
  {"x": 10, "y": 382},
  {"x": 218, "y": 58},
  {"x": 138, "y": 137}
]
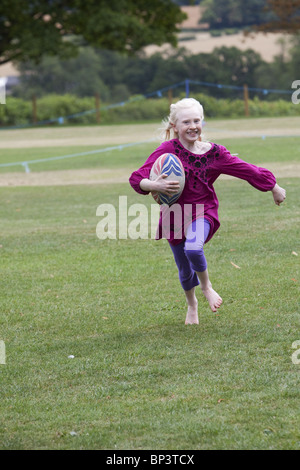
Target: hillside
[{"x": 268, "y": 45}]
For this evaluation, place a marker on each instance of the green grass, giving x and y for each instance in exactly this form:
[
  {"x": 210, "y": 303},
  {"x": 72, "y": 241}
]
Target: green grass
[
  {"x": 272, "y": 149},
  {"x": 140, "y": 378}
]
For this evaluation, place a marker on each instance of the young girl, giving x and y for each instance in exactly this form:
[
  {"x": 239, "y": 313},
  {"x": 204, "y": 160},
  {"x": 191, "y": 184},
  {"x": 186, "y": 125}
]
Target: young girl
[{"x": 203, "y": 162}]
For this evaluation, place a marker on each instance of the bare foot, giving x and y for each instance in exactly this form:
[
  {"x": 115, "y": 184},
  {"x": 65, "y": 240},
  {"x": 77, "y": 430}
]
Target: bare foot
[
  {"x": 192, "y": 315},
  {"x": 213, "y": 298}
]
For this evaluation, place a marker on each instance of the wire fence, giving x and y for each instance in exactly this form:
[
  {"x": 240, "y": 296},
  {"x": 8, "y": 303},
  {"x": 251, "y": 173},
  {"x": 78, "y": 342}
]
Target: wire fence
[{"x": 25, "y": 164}]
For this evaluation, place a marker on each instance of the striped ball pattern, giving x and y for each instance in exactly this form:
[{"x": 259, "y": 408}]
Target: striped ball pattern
[{"x": 168, "y": 164}]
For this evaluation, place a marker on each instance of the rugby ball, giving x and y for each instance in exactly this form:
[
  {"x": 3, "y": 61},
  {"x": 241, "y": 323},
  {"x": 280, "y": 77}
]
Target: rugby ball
[{"x": 168, "y": 164}]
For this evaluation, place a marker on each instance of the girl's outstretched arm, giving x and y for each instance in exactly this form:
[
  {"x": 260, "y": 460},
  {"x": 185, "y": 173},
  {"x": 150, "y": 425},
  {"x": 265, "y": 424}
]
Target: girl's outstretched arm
[{"x": 261, "y": 178}]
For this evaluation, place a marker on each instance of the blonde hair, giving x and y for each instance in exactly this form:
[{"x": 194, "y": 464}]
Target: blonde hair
[{"x": 168, "y": 123}]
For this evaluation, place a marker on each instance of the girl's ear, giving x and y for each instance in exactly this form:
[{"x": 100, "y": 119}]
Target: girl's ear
[{"x": 173, "y": 126}]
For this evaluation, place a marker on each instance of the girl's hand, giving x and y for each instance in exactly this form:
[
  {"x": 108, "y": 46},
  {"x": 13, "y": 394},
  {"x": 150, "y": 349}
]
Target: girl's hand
[
  {"x": 168, "y": 187},
  {"x": 279, "y": 194}
]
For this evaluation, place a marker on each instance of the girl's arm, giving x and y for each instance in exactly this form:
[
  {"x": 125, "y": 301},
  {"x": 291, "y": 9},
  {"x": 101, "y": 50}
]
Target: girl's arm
[
  {"x": 160, "y": 185},
  {"x": 139, "y": 179},
  {"x": 261, "y": 178}
]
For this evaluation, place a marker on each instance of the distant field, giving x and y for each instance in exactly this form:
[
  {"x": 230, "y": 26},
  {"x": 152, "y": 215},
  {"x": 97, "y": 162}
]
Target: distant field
[
  {"x": 255, "y": 140},
  {"x": 125, "y": 133},
  {"x": 267, "y": 45}
]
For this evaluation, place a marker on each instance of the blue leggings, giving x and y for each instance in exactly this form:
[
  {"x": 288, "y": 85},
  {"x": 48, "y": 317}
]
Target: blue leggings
[{"x": 189, "y": 255}]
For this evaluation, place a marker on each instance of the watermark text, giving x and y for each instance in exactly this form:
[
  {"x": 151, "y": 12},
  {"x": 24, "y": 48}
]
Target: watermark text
[
  {"x": 296, "y": 354},
  {"x": 137, "y": 221},
  {"x": 2, "y": 352},
  {"x": 3, "y": 81},
  {"x": 296, "y": 93}
]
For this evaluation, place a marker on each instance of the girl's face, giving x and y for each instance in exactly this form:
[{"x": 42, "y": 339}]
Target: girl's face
[{"x": 188, "y": 126}]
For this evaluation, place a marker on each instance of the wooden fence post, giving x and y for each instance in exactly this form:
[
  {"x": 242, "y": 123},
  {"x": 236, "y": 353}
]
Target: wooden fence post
[
  {"x": 34, "y": 118},
  {"x": 97, "y": 102}
]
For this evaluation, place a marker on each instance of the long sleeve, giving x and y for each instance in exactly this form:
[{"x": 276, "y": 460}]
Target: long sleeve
[
  {"x": 261, "y": 178},
  {"x": 144, "y": 172}
]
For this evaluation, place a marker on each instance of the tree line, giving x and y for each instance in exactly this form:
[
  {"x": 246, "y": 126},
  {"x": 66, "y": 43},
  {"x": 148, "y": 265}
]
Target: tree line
[
  {"x": 235, "y": 13},
  {"x": 259, "y": 15},
  {"x": 116, "y": 77}
]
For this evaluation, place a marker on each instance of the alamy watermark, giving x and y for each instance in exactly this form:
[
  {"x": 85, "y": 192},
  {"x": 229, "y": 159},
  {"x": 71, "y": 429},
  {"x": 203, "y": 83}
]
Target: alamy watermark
[
  {"x": 296, "y": 94},
  {"x": 137, "y": 221},
  {"x": 3, "y": 81},
  {"x": 296, "y": 354},
  {"x": 2, "y": 352}
]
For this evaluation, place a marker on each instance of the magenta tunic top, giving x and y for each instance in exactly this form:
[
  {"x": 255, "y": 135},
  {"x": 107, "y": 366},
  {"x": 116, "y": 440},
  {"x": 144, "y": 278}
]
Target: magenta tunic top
[{"x": 201, "y": 171}]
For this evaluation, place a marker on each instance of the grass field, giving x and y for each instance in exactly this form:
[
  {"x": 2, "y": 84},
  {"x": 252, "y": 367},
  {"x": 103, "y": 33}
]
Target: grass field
[{"x": 140, "y": 378}]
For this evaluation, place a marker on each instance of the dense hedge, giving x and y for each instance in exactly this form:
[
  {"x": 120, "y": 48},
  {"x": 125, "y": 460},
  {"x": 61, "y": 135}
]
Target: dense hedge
[{"x": 17, "y": 112}]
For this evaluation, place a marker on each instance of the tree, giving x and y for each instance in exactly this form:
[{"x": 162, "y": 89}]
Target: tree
[
  {"x": 234, "y": 13},
  {"x": 31, "y": 28},
  {"x": 286, "y": 16},
  {"x": 53, "y": 75}
]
